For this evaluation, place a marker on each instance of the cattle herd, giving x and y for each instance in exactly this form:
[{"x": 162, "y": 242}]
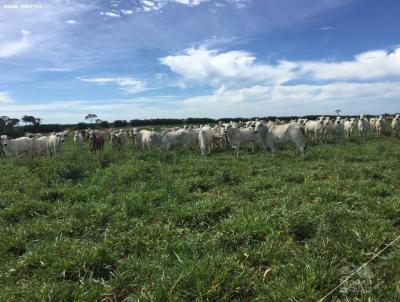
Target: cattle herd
[{"x": 223, "y": 136}]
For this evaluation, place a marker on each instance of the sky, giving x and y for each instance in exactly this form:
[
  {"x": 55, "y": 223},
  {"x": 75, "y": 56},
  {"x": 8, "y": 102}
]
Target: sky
[{"x": 138, "y": 59}]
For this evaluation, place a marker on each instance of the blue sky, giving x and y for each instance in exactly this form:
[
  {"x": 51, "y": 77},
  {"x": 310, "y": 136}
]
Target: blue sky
[{"x": 128, "y": 59}]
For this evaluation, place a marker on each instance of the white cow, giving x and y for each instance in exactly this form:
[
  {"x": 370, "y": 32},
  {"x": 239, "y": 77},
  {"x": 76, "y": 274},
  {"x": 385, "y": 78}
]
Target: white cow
[
  {"x": 137, "y": 138},
  {"x": 219, "y": 138},
  {"x": 363, "y": 125},
  {"x": 338, "y": 127},
  {"x": 175, "y": 139},
  {"x": 238, "y": 136},
  {"x": 271, "y": 135},
  {"x": 194, "y": 135},
  {"x": 302, "y": 122},
  {"x": 396, "y": 125},
  {"x": 116, "y": 142},
  {"x": 55, "y": 144},
  {"x": 16, "y": 147},
  {"x": 380, "y": 125},
  {"x": 314, "y": 130},
  {"x": 372, "y": 122},
  {"x": 39, "y": 145},
  {"x": 205, "y": 137},
  {"x": 151, "y": 139},
  {"x": 78, "y": 138},
  {"x": 349, "y": 125},
  {"x": 327, "y": 128},
  {"x": 122, "y": 137}
]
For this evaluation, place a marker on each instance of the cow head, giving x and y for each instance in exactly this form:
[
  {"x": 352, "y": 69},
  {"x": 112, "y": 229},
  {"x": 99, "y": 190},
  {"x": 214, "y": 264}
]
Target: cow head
[
  {"x": 61, "y": 136},
  {"x": 4, "y": 140}
]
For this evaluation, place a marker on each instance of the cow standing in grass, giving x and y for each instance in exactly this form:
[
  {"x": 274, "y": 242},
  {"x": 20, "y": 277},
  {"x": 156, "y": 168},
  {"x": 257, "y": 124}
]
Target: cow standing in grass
[
  {"x": 338, "y": 127},
  {"x": 206, "y": 139},
  {"x": 363, "y": 125},
  {"x": 314, "y": 130},
  {"x": 380, "y": 125},
  {"x": 396, "y": 125},
  {"x": 239, "y": 136},
  {"x": 349, "y": 127},
  {"x": 272, "y": 135},
  {"x": 55, "y": 143},
  {"x": 151, "y": 139},
  {"x": 179, "y": 138},
  {"x": 327, "y": 128},
  {"x": 117, "y": 141},
  {"x": 39, "y": 145},
  {"x": 78, "y": 138},
  {"x": 96, "y": 142},
  {"x": 16, "y": 147}
]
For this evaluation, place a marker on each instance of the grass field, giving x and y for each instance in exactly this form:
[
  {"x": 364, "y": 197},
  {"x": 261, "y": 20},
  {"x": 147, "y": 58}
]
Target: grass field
[{"x": 156, "y": 226}]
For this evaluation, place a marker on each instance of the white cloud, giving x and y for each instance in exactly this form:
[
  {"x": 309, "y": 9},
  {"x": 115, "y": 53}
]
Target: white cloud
[
  {"x": 111, "y": 14},
  {"x": 370, "y": 65},
  {"x": 72, "y": 22},
  {"x": 126, "y": 11},
  {"x": 157, "y": 5},
  {"x": 240, "y": 69},
  {"x": 127, "y": 84},
  {"x": 297, "y": 100},
  {"x": 325, "y": 28},
  {"x": 190, "y": 2},
  {"x": 232, "y": 68},
  {"x": 240, "y": 3},
  {"x": 55, "y": 69},
  {"x": 15, "y": 47},
  {"x": 5, "y": 97}
]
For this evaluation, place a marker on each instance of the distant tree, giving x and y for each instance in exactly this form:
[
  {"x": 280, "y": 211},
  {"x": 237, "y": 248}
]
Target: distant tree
[
  {"x": 98, "y": 121},
  {"x": 91, "y": 117},
  {"x": 104, "y": 124},
  {"x": 82, "y": 126},
  {"x": 13, "y": 122},
  {"x": 3, "y": 121},
  {"x": 338, "y": 111},
  {"x": 38, "y": 121},
  {"x": 120, "y": 123},
  {"x": 29, "y": 119}
]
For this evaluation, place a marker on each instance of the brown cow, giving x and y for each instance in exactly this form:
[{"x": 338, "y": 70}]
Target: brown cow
[{"x": 96, "y": 142}]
